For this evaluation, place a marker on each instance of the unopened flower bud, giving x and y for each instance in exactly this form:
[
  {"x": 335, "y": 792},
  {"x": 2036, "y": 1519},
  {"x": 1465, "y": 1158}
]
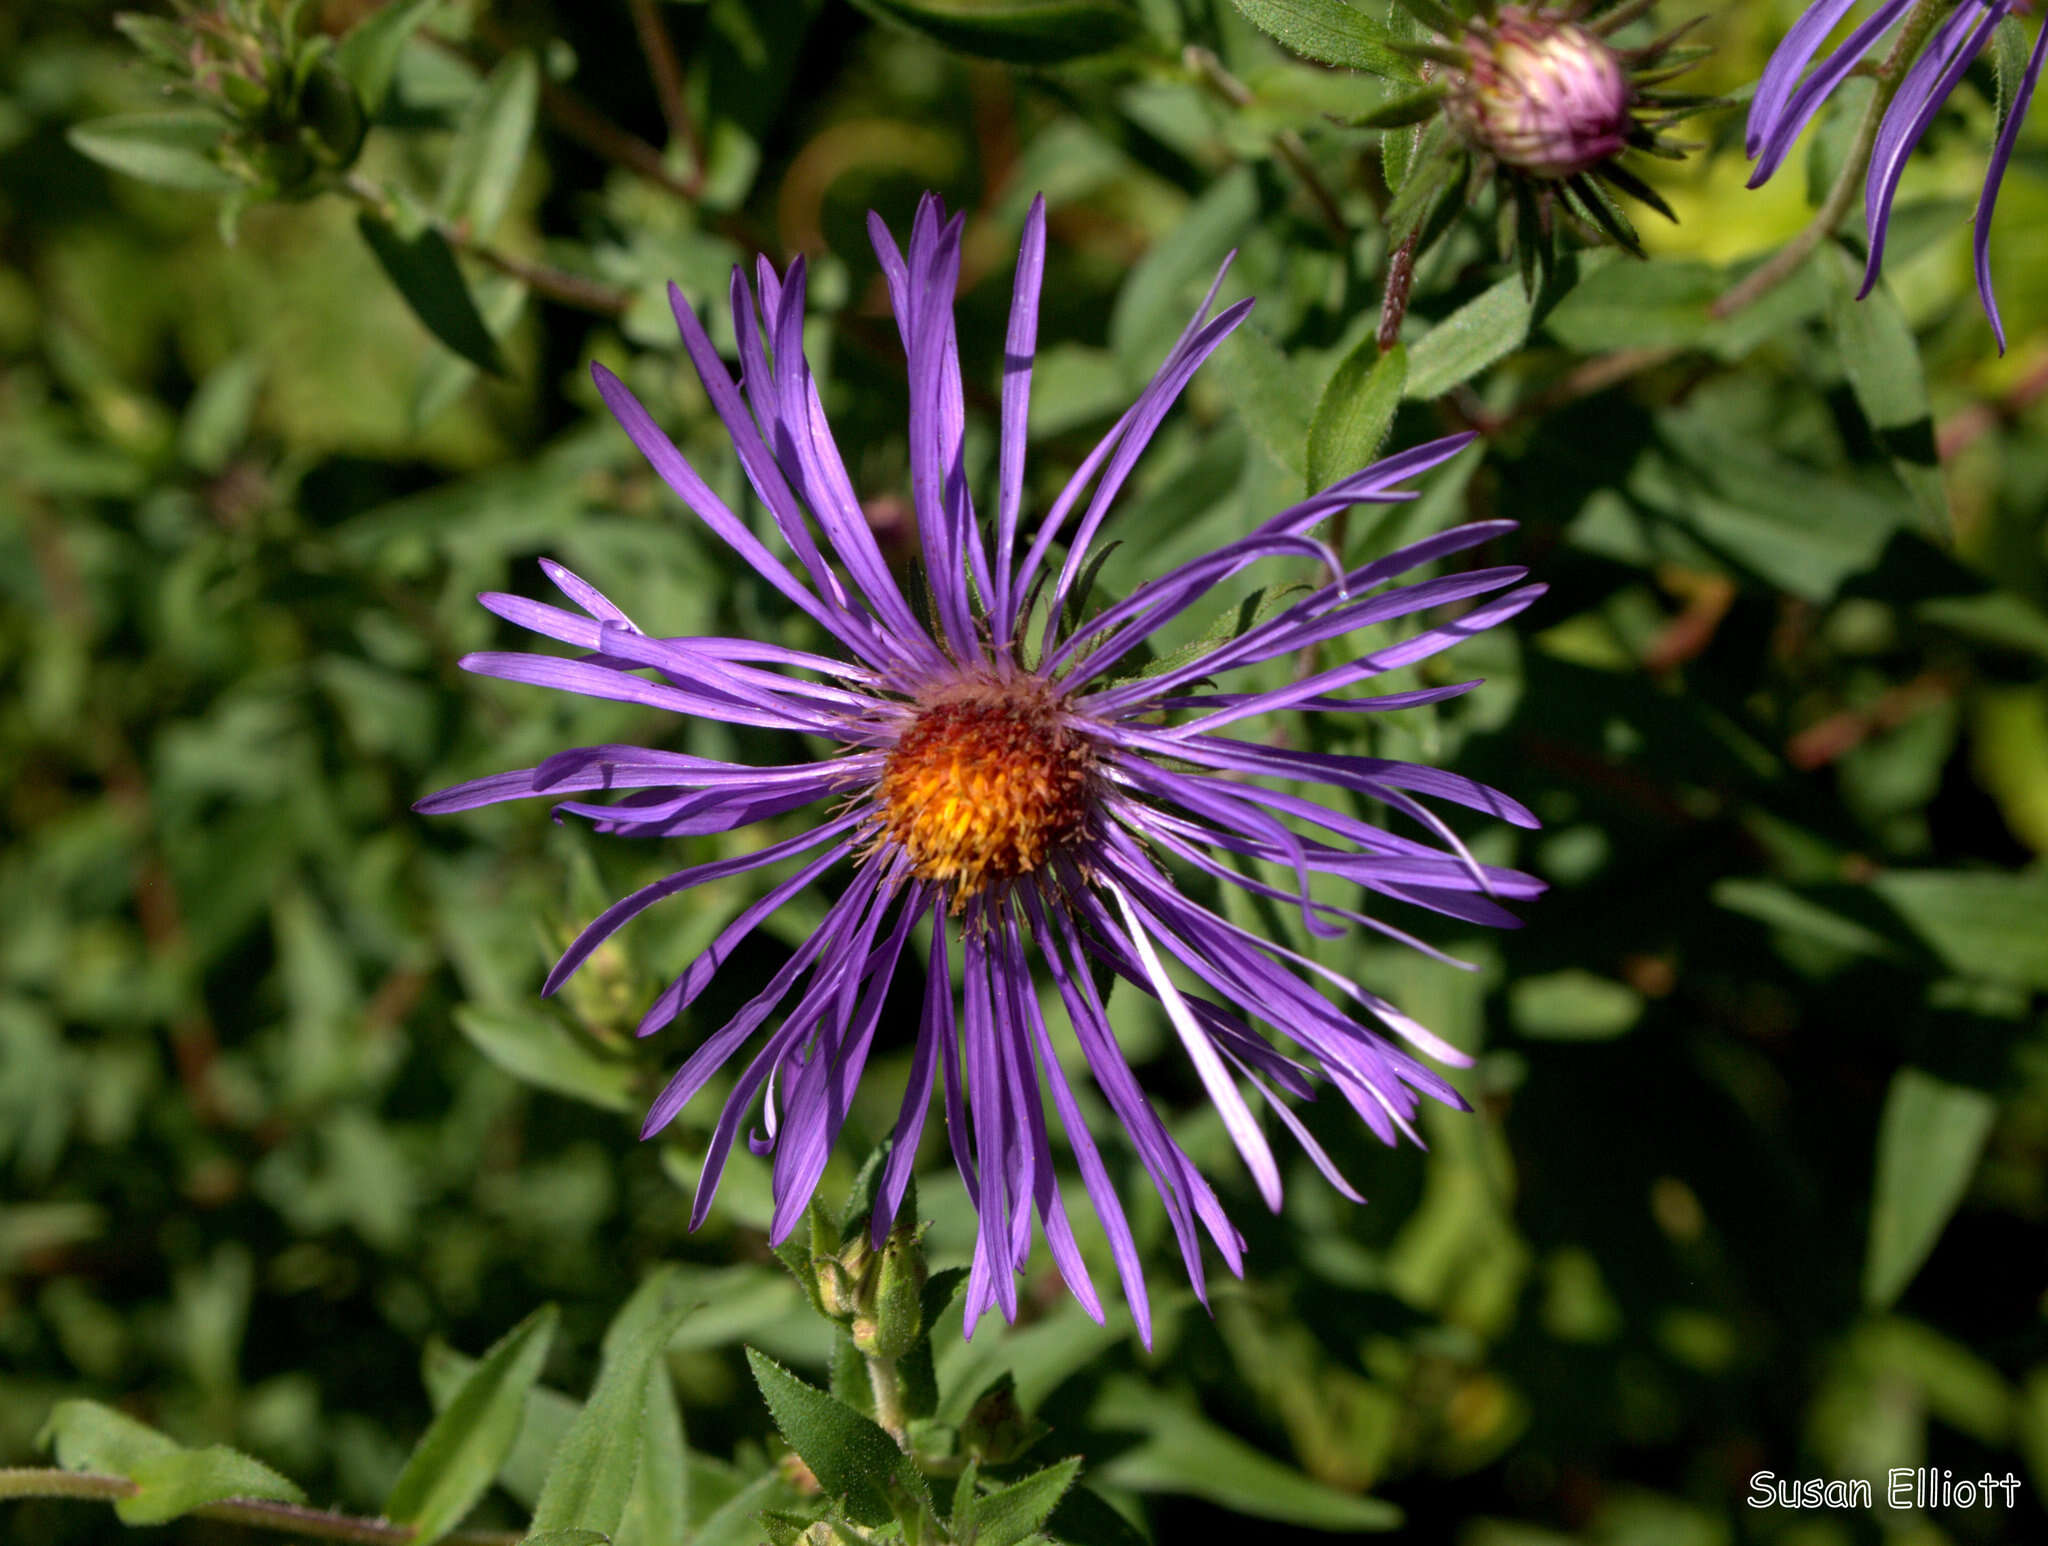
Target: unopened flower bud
[
  {"x": 1544, "y": 95},
  {"x": 894, "y": 1318},
  {"x": 844, "y": 1277}
]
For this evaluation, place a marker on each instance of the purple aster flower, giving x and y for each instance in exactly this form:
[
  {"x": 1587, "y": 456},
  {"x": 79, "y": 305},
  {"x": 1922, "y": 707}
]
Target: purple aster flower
[
  {"x": 1020, "y": 787},
  {"x": 1785, "y": 103}
]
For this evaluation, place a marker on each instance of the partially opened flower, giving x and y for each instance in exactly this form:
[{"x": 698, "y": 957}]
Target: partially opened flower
[
  {"x": 1013, "y": 783},
  {"x": 1788, "y": 95}
]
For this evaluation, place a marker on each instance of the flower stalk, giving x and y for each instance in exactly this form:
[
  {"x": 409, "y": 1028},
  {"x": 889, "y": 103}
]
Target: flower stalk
[{"x": 1889, "y": 76}]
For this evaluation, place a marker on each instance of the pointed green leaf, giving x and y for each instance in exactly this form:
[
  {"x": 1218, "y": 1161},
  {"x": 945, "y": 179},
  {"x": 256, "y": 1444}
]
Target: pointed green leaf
[
  {"x": 490, "y": 146},
  {"x": 368, "y": 55},
  {"x": 1882, "y": 359},
  {"x": 855, "y": 1461},
  {"x": 1028, "y": 32},
  {"x": 591, "y": 1480},
  {"x": 1928, "y": 1141},
  {"x": 1271, "y": 395},
  {"x": 1330, "y": 31},
  {"x": 168, "y": 149},
  {"x": 170, "y": 1480},
  {"x": 1356, "y": 411},
  {"x": 539, "y": 1049},
  {"x": 1183, "y": 1452},
  {"x": 544, "y": 1419},
  {"x": 1004, "y": 1518},
  {"x": 1979, "y": 923},
  {"x": 461, "y": 1452},
  {"x": 1486, "y": 329},
  {"x": 658, "y": 1509},
  {"x": 423, "y": 267}
]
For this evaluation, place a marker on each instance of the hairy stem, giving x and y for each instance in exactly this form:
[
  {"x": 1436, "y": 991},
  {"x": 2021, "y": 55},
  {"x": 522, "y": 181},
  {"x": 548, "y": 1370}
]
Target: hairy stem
[
  {"x": 887, "y": 1383},
  {"x": 667, "y": 75},
  {"x": 1761, "y": 281},
  {"x": 258, "y": 1513}
]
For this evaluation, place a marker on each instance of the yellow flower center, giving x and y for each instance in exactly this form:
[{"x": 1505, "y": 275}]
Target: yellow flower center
[{"x": 985, "y": 785}]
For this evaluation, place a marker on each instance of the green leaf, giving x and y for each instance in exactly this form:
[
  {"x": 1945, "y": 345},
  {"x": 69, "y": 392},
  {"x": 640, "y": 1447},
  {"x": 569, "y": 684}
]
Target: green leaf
[
  {"x": 1883, "y": 363},
  {"x": 1573, "y": 1005},
  {"x": 1928, "y": 1141},
  {"x": 1488, "y": 328},
  {"x": 854, "y": 1460},
  {"x": 591, "y": 1480},
  {"x": 1028, "y": 32},
  {"x": 490, "y": 146},
  {"x": 1980, "y": 924},
  {"x": 170, "y": 1479},
  {"x": 1329, "y": 31},
  {"x": 461, "y": 1452},
  {"x": 2008, "y": 63},
  {"x": 168, "y": 149},
  {"x": 1004, "y": 1518},
  {"x": 1182, "y": 1452},
  {"x": 423, "y": 268},
  {"x": 1356, "y": 411},
  {"x": 368, "y": 55},
  {"x": 539, "y": 1049},
  {"x": 1270, "y": 395},
  {"x": 658, "y": 1509},
  {"x": 217, "y": 420},
  {"x": 544, "y": 1418}
]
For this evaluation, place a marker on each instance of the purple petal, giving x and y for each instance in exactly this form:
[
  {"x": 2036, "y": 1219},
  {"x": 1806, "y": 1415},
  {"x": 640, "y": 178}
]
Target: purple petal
[
  {"x": 1926, "y": 87},
  {"x": 2001, "y": 154}
]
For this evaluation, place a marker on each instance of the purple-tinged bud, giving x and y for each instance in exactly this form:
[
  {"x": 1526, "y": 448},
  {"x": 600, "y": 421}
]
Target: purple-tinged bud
[{"x": 1543, "y": 95}]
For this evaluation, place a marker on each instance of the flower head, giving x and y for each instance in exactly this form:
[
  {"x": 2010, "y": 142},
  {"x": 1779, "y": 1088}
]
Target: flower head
[
  {"x": 1788, "y": 95},
  {"x": 1547, "y": 97},
  {"x": 1019, "y": 789},
  {"x": 1544, "y": 101}
]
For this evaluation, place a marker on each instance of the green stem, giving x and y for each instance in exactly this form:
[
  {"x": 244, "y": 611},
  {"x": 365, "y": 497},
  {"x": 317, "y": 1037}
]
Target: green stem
[
  {"x": 556, "y": 284},
  {"x": 1889, "y": 75},
  {"x": 258, "y": 1513},
  {"x": 887, "y": 1384}
]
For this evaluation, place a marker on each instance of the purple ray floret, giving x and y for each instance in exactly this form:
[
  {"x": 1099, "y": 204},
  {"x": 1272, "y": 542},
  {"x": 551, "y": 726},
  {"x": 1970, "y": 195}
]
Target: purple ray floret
[
  {"x": 1007, "y": 791},
  {"x": 1785, "y": 103}
]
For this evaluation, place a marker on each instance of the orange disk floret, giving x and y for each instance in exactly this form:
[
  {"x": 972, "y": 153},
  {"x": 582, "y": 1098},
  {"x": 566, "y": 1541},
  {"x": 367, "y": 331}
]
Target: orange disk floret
[{"x": 985, "y": 784}]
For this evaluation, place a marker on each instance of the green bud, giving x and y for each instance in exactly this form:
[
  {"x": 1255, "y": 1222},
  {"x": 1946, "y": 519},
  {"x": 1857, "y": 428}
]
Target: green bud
[
  {"x": 332, "y": 116},
  {"x": 894, "y": 1319}
]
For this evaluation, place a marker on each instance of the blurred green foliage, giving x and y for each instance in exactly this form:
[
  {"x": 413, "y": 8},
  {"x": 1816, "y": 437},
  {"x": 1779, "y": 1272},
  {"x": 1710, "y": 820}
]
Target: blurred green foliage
[{"x": 1758, "y": 1175}]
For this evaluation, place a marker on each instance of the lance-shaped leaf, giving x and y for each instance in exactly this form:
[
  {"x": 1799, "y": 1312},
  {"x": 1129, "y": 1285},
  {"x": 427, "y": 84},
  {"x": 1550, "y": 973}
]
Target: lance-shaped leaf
[
  {"x": 368, "y": 56},
  {"x": 169, "y": 1479},
  {"x": 168, "y": 149},
  {"x": 1356, "y": 411},
  {"x": 854, "y": 1459},
  {"x": 490, "y": 146},
  {"x": 1928, "y": 1141},
  {"x": 455, "y": 1462},
  {"x": 591, "y": 1481},
  {"x": 1330, "y": 31},
  {"x": 423, "y": 267}
]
